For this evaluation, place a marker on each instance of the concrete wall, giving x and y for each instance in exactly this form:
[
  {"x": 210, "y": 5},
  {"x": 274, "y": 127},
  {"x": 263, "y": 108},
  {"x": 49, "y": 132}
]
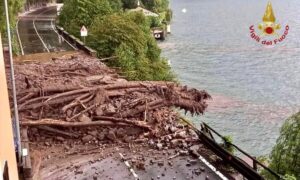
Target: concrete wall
[{"x": 7, "y": 152}]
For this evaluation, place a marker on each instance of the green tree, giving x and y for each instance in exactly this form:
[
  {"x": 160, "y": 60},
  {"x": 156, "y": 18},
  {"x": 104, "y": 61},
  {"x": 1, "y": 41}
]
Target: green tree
[
  {"x": 115, "y": 33},
  {"x": 109, "y": 32},
  {"x": 76, "y": 13},
  {"x": 116, "y": 5},
  {"x": 285, "y": 156},
  {"x": 154, "y": 21},
  {"x": 129, "y": 4},
  {"x": 14, "y": 6},
  {"x": 128, "y": 38},
  {"x": 157, "y": 6}
]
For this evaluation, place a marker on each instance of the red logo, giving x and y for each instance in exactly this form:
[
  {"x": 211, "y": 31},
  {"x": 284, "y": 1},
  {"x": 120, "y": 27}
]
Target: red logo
[{"x": 268, "y": 29}]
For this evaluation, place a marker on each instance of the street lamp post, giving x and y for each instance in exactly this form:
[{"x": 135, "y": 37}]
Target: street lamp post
[{"x": 12, "y": 74}]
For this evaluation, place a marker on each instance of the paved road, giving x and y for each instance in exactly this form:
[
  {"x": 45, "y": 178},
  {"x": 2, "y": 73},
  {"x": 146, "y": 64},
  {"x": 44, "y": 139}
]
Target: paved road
[
  {"x": 107, "y": 164},
  {"x": 37, "y": 32}
]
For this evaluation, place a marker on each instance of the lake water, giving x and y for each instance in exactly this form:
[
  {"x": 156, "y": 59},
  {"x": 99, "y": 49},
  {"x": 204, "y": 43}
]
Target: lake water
[{"x": 254, "y": 87}]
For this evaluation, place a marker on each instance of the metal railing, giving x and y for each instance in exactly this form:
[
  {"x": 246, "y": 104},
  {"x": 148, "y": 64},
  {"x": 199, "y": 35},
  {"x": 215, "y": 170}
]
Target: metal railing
[
  {"x": 207, "y": 138},
  {"x": 206, "y": 128}
]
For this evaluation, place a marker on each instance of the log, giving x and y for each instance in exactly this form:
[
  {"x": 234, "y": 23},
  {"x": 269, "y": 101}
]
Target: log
[
  {"x": 57, "y": 131},
  {"x": 29, "y": 95},
  {"x": 71, "y": 73},
  {"x": 32, "y": 100},
  {"x": 51, "y": 89},
  {"x": 71, "y": 89},
  {"x": 107, "y": 87},
  {"x": 53, "y": 102},
  {"x": 84, "y": 111},
  {"x": 61, "y": 123},
  {"x": 141, "y": 124},
  {"x": 108, "y": 58},
  {"x": 75, "y": 102},
  {"x": 142, "y": 108}
]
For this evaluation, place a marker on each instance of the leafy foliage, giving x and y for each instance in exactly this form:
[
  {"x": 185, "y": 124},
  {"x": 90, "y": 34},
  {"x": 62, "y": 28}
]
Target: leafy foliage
[
  {"x": 285, "y": 156},
  {"x": 14, "y": 6},
  {"x": 154, "y": 21},
  {"x": 109, "y": 32},
  {"x": 137, "y": 52},
  {"x": 129, "y": 4},
  {"x": 116, "y": 5},
  {"x": 169, "y": 15},
  {"x": 115, "y": 33},
  {"x": 289, "y": 177},
  {"x": 76, "y": 13},
  {"x": 156, "y": 5},
  {"x": 227, "y": 145}
]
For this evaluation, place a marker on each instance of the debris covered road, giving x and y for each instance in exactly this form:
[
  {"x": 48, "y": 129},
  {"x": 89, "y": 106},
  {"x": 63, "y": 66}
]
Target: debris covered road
[
  {"x": 106, "y": 163},
  {"x": 85, "y": 121}
]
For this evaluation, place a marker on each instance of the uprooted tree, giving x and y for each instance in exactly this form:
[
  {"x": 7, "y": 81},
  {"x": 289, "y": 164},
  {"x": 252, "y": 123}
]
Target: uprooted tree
[{"x": 77, "y": 93}]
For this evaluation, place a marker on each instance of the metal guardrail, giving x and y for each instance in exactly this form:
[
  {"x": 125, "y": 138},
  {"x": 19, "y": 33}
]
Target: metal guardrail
[
  {"x": 73, "y": 40},
  {"x": 255, "y": 162},
  {"x": 207, "y": 138}
]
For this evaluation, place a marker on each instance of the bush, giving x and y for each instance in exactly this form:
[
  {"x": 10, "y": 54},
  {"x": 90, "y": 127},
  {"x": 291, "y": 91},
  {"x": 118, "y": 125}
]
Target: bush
[
  {"x": 154, "y": 21},
  {"x": 289, "y": 177},
  {"x": 226, "y": 144},
  {"x": 285, "y": 156}
]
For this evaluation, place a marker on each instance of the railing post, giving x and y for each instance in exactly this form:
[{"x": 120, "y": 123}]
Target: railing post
[{"x": 254, "y": 164}]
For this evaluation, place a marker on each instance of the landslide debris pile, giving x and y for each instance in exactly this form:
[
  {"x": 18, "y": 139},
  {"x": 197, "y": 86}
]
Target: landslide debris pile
[{"x": 80, "y": 98}]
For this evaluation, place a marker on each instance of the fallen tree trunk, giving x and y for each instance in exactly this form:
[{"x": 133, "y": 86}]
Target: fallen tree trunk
[
  {"x": 53, "y": 102},
  {"x": 119, "y": 120},
  {"x": 142, "y": 108},
  {"x": 57, "y": 131},
  {"x": 54, "y": 122},
  {"x": 71, "y": 89},
  {"x": 61, "y": 123}
]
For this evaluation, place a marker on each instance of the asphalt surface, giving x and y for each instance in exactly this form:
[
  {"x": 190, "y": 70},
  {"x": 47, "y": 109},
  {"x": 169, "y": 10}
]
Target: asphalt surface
[
  {"x": 107, "y": 164},
  {"x": 37, "y": 32}
]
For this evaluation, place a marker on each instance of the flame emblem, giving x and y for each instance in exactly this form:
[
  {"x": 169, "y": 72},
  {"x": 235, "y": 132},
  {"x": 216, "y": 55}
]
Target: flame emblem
[{"x": 268, "y": 26}]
